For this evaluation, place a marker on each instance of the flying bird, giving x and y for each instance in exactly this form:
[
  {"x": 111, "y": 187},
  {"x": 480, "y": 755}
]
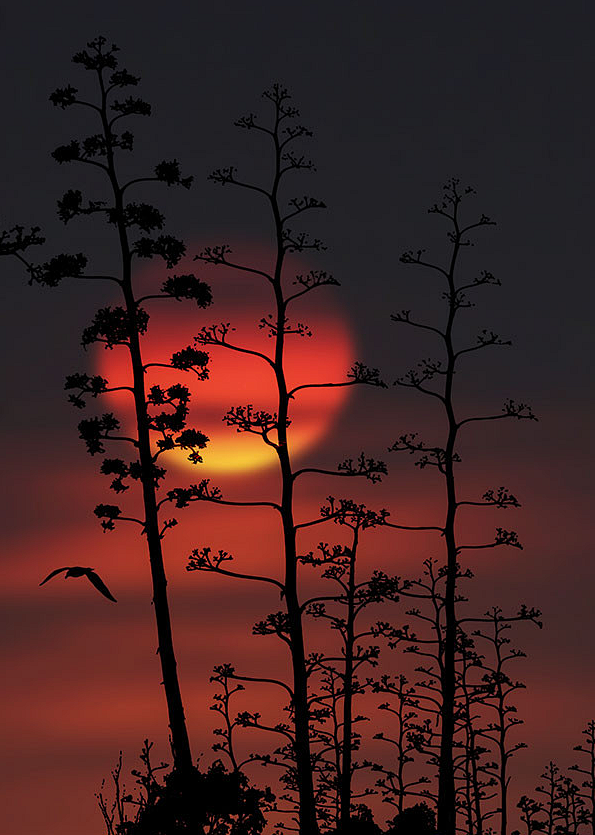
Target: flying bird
[{"x": 89, "y": 573}]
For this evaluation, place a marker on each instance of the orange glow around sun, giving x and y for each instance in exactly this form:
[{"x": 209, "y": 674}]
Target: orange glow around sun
[{"x": 238, "y": 379}]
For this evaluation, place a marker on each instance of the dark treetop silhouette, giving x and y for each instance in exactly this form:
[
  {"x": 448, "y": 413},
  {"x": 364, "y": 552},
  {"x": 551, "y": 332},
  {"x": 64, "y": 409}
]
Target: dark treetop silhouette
[
  {"x": 158, "y": 412},
  {"x": 212, "y": 801},
  {"x": 587, "y": 770},
  {"x": 566, "y": 808},
  {"x": 283, "y": 134},
  {"x": 435, "y": 378},
  {"x": 339, "y": 672}
]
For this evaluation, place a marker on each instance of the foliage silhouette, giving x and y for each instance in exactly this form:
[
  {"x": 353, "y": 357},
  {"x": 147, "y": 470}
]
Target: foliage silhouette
[
  {"x": 15, "y": 241},
  {"x": 160, "y": 413},
  {"x": 562, "y": 811},
  {"x": 338, "y": 672},
  {"x": 172, "y": 803},
  {"x": 416, "y": 820},
  {"x": 360, "y": 823},
  {"x": 284, "y": 135},
  {"x": 435, "y": 379},
  {"x": 396, "y": 784},
  {"x": 499, "y": 688},
  {"x": 484, "y": 714},
  {"x": 587, "y": 748}
]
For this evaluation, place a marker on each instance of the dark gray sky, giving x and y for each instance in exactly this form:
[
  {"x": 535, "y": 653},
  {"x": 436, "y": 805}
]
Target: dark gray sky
[{"x": 401, "y": 97}]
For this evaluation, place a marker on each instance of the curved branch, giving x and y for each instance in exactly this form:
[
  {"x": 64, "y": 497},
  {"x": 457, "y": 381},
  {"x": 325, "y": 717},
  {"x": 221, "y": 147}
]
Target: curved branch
[
  {"x": 317, "y": 521},
  {"x": 204, "y": 340},
  {"x": 130, "y": 519},
  {"x": 419, "y": 387},
  {"x": 138, "y": 180},
  {"x": 263, "y": 681},
  {"x": 230, "y": 503},
  {"x": 481, "y": 345},
  {"x": 404, "y": 318},
  {"x": 118, "y": 388},
  {"x": 323, "y": 385},
  {"x": 327, "y": 472},
  {"x": 156, "y": 296},
  {"x": 120, "y": 438},
  {"x": 221, "y": 260},
  {"x": 85, "y": 161},
  {"x": 240, "y": 576},
  {"x": 409, "y": 258},
  {"x": 413, "y": 527}
]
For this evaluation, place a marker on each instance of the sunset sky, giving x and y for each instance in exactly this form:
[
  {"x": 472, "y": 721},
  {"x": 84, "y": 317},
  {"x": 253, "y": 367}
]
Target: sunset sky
[{"x": 401, "y": 97}]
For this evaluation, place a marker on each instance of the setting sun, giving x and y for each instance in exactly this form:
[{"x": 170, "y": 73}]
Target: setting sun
[{"x": 237, "y": 379}]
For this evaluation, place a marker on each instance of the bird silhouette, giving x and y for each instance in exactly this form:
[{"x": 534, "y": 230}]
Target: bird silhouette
[{"x": 89, "y": 573}]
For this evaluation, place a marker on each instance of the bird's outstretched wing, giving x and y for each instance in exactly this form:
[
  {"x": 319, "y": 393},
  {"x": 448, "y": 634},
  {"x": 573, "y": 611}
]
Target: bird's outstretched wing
[
  {"x": 53, "y": 574},
  {"x": 100, "y": 585}
]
